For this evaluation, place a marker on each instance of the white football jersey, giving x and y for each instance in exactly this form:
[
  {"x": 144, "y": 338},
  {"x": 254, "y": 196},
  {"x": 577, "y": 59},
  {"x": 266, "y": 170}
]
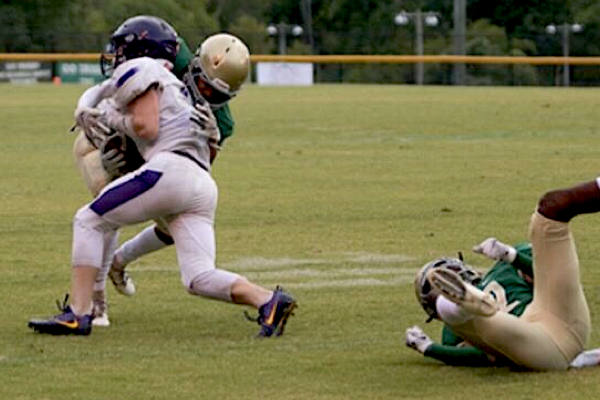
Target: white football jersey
[{"x": 177, "y": 129}]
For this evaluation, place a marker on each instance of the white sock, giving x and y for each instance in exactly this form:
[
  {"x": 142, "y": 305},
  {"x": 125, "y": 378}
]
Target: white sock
[
  {"x": 451, "y": 313},
  {"x": 143, "y": 243},
  {"x": 111, "y": 240}
]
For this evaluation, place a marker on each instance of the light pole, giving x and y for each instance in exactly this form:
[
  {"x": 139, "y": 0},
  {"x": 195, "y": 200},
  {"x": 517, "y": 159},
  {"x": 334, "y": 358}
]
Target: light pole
[
  {"x": 460, "y": 32},
  {"x": 282, "y": 31},
  {"x": 565, "y": 30},
  {"x": 419, "y": 18}
]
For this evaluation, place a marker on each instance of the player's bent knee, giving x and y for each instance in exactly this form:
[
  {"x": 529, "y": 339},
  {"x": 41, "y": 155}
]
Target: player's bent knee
[
  {"x": 213, "y": 284},
  {"x": 87, "y": 218}
]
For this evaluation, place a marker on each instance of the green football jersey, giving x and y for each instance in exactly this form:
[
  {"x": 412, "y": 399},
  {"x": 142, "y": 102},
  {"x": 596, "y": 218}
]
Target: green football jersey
[
  {"x": 512, "y": 292},
  {"x": 223, "y": 115}
]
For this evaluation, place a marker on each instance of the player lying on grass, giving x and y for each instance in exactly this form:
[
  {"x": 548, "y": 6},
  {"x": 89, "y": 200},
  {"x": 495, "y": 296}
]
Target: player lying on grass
[
  {"x": 147, "y": 104},
  {"x": 554, "y": 328},
  {"x": 509, "y": 280},
  {"x": 214, "y": 74}
]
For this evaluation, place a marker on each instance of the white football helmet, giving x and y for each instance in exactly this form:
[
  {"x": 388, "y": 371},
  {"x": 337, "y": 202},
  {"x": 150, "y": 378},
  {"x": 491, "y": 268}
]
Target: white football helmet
[
  {"x": 426, "y": 295},
  {"x": 219, "y": 68}
]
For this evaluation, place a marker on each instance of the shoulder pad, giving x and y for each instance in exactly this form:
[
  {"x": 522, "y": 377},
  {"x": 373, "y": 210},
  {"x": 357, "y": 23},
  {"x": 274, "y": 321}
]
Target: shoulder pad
[{"x": 134, "y": 77}]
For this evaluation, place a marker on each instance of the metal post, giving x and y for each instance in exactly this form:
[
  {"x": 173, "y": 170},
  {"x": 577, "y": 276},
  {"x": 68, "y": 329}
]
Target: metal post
[
  {"x": 419, "y": 72},
  {"x": 566, "y": 28},
  {"x": 460, "y": 23},
  {"x": 307, "y": 11},
  {"x": 282, "y": 31}
]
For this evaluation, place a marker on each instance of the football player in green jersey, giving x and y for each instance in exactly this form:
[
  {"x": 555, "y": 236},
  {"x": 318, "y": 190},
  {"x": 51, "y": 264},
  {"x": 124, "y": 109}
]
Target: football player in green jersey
[{"x": 510, "y": 281}]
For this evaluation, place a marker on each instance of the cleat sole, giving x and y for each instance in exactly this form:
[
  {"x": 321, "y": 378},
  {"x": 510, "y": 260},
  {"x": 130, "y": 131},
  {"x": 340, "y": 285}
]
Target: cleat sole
[{"x": 287, "y": 312}]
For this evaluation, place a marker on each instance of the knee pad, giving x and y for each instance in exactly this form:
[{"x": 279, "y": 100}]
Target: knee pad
[{"x": 213, "y": 284}]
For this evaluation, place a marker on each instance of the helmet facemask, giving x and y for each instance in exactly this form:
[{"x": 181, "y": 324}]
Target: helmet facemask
[
  {"x": 107, "y": 60},
  {"x": 215, "y": 91},
  {"x": 427, "y": 295}
]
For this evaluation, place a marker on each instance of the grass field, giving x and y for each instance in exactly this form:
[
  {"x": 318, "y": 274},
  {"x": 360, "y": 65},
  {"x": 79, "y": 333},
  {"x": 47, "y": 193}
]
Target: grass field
[{"x": 339, "y": 193}]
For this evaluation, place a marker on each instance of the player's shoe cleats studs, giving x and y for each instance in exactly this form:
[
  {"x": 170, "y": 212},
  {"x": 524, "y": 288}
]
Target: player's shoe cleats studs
[
  {"x": 123, "y": 283},
  {"x": 455, "y": 289},
  {"x": 273, "y": 316},
  {"x": 65, "y": 323}
]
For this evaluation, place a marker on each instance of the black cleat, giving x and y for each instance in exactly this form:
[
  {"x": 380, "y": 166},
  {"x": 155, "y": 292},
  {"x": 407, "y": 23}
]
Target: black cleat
[
  {"x": 65, "y": 323},
  {"x": 273, "y": 315}
]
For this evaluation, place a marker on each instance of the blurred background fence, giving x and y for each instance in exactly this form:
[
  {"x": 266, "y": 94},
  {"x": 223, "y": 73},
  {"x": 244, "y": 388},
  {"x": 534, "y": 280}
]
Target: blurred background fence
[
  {"x": 435, "y": 70},
  {"x": 490, "y": 28}
]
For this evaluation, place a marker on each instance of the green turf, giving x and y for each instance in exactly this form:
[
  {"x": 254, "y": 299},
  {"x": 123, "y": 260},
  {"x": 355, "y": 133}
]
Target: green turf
[{"x": 339, "y": 193}]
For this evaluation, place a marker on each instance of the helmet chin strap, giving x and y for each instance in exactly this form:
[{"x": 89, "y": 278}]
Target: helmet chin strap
[{"x": 189, "y": 79}]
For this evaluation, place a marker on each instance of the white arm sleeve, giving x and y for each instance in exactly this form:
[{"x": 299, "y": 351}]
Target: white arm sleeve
[{"x": 92, "y": 96}]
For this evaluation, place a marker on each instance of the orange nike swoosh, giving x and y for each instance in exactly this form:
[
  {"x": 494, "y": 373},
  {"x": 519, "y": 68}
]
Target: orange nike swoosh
[
  {"x": 271, "y": 316},
  {"x": 69, "y": 324}
]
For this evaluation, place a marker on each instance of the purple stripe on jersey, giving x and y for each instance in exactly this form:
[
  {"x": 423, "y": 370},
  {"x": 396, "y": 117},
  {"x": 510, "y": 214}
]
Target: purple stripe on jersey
[
  {"x": 126, "y": 76},
  {"x": 126, "y": 191}
]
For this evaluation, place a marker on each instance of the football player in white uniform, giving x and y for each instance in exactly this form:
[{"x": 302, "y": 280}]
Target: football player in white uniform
[
  {"x": 153, "y": 109},
  {"x": 215, "y": 75}
]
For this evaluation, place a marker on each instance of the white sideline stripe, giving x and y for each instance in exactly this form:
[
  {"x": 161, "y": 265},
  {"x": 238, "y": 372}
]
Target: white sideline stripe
[
  {"x": 348, "y": 283},
  {"x": 332, "y": 273},
  {"x": 342, "y": 272},
  {"x": 357, "y": 257},
  {"x": 362, "y": 257},
  {"x": 259, "y": 262}
]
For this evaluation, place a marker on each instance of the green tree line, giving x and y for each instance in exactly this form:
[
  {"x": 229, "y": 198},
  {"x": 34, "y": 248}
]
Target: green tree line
[{"x": 494, "y": 27}]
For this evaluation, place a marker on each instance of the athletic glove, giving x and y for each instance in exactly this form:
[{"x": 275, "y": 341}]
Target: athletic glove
[
  {"x": 417, "y": 339},
  {"x": 90, "y": 121},
  {"x": 207, "y": 123},
  {"x": 120, "y": 155},
  {"x": 112, "y": 161},
  {"x": 116, "y": 120},
  {"x": 496, "y": 250}
]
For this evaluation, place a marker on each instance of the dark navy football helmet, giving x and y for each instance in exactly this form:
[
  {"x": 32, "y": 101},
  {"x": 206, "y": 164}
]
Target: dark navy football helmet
[{"x": 140, "y": 36}]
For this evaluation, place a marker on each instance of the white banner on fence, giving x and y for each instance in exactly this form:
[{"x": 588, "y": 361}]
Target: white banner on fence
[{"x": 284, "y": 74}]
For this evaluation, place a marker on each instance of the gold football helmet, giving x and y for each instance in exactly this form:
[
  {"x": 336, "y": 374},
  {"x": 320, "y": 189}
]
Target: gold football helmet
[{"x": 219, "y": 68}]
